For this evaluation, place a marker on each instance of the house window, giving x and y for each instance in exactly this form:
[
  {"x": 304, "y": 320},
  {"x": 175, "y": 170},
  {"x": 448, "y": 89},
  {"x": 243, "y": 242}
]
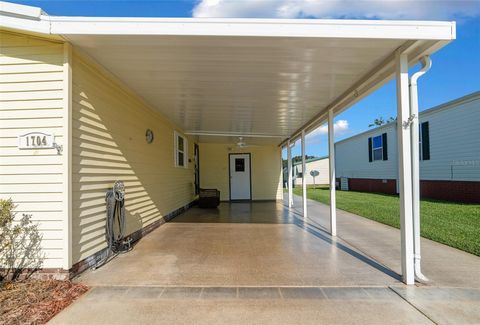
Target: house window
[
  {"x": 377, "y": 148},
  {"x": 181, "y": 153}
]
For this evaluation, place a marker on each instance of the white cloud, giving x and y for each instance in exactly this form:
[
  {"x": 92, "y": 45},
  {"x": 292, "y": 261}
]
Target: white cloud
[
  {"x": 381, "y": 9},
  {"x": 340, "y": 128}
]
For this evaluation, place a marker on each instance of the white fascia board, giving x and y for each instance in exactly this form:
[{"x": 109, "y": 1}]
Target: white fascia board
[
  {"x": 33, "y": 19},
  {"x": 41, "y": 26},
  {"x": 13, "y": 9},
  {"x": 255, "y": 28}
]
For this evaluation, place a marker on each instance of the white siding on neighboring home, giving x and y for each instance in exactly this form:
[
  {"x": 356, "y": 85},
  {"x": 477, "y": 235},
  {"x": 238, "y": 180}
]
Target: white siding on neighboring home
[
  {"x": 454, "y": 141},
  {"x": 320, "y": 165},
  {"x": 351, "y": 156},
  {"x": 32, "y": 82},
  {"x": 109, "y": 127},
  {"x": 454, "y": 135}
]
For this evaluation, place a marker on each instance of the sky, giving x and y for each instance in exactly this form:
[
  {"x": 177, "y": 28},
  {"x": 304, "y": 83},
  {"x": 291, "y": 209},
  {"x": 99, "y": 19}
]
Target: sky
[{"x": 455, "y": 71}]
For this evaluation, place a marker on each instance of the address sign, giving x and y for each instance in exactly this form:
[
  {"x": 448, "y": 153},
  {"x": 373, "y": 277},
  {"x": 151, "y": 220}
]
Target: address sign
[{"x": 36, "y": 140}]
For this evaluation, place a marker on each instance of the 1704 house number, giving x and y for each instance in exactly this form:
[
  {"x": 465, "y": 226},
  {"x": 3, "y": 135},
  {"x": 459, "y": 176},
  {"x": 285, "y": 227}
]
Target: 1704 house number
[{"x": 36, "y": 140}]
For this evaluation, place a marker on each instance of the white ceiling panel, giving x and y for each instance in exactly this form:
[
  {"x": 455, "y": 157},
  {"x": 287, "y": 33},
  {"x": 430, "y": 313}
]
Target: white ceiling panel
[{"x": 243, "y": 85}]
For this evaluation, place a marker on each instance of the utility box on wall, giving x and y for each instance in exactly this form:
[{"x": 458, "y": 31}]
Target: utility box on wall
[{"x": 344, "y": 183}]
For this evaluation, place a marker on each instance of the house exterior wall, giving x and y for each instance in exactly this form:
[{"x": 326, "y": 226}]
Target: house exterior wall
[
  {"x": 321, "y": 165},
  {"x": 266, "y": 169},
  {"x": 109, "y": 125},
  {"x": 454, "y": 141},
  {"x": 351, "y": 156},
  {"x": 451, "y": 173},
  {"x": 32, "y": 99}
]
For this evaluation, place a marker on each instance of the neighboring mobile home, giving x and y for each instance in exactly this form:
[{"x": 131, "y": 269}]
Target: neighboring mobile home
[
  {"x": 319, "y": 164},
  {"x": 167, "y": 105},
  {"x": 449, "y": 154}
]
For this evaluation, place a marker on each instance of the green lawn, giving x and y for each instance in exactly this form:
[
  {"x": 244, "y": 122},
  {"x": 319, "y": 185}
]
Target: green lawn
[{"x": 453, "y": 224}]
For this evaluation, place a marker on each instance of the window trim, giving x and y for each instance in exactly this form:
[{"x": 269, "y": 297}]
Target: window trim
[{"x": 176, "y": 150}]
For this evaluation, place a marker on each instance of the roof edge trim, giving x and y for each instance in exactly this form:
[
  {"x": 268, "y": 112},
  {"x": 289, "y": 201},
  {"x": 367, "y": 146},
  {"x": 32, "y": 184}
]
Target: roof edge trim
[
  {"x": 440, "y": 107},
  {"x": 34, "y": 19},
  {"x": 21, "y": 11}
]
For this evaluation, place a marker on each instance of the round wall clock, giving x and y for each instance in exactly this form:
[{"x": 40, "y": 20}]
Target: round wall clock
[{"x": 149, "y": 136}]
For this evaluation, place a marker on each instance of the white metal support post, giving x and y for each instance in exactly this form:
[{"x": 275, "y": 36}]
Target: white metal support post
[
  {"x": 405, "y": 168},
  {"x": 290, "y": 176},
  {"x": 304, "y": 183},
  {"x": 331, "y": 161}
]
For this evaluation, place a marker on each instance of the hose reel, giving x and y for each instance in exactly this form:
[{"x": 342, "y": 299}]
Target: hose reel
[{"x": 115, "y": 223}]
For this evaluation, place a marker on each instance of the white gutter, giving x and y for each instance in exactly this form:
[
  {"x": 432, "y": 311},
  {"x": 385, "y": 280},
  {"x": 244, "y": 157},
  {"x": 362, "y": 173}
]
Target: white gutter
[
  {"x": 426, "y": 65},
  {"x": 20, "y": 11},
  {"x": 24, "y": 18}
]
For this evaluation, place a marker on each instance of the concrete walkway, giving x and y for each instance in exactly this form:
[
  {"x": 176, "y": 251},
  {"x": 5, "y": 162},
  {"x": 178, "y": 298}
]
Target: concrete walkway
[
  {"x": 443, "y": 265},
  {"x": 261, "y": 263}
]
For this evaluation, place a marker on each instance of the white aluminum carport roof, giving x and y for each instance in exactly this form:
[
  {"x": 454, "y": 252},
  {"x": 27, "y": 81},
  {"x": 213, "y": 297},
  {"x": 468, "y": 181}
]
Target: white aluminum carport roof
[
  {"x": 265, "y": 79},
  {"x": 270, "y": 80}
]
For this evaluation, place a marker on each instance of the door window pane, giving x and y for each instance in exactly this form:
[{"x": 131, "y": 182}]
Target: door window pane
[{"x": 239, "y": 164}]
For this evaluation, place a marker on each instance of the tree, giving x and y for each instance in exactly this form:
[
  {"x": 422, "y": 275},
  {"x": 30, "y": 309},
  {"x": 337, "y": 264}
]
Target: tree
[
  {"x": 296, "y": 159},
  {"x": 380, "y": 121}
]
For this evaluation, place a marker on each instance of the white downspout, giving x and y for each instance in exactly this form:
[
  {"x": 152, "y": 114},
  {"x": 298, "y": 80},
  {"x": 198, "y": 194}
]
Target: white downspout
[{"x": 426, "y": 65}]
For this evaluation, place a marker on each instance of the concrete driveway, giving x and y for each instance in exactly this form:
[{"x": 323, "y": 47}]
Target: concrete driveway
[
  {"x": 241, "y": 244},
  {"x": 261, "y": 263}
]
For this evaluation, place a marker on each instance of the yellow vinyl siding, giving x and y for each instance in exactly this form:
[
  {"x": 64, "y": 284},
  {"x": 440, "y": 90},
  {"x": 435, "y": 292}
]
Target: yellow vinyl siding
[
  {"x": 32, "y": 99},
  {"x": 109, "y": 125},
  {"x": 266, "y": 169}
]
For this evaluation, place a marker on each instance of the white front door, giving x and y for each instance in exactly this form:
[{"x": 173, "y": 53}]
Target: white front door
[{"x": 240, "y": 176}]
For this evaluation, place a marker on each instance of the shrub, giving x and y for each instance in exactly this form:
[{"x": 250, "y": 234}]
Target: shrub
[{"x": 20, "y": 250}]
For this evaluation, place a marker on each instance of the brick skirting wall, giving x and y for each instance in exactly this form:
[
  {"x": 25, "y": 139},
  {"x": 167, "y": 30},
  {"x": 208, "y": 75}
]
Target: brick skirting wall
[
  {"x": 92, "y": 260},
  {"x": 455, "y": 191},
  {"x": 387, "y": 186}
]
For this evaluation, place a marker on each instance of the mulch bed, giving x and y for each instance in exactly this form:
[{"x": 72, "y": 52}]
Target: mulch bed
[{"x": 36, "y": 301}]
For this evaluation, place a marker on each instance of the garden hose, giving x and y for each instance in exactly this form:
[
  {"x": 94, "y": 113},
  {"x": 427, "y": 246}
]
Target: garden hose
[{"x": 115, "y": 201}]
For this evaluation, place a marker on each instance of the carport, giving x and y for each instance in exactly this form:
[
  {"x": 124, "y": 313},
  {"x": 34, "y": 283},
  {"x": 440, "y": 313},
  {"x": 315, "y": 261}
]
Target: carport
[{"x": 257, "y": 81}]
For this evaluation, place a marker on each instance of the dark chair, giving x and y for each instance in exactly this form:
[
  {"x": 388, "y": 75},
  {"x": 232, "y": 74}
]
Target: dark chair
[{"x": 209, "y": 198}]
